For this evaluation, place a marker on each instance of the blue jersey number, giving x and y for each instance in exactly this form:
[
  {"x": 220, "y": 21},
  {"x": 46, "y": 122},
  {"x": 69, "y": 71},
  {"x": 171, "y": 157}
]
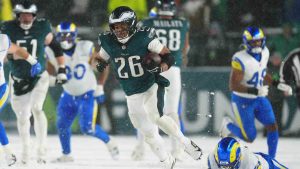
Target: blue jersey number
[
  {"x": 78, "y": 72},
  {"x": 257, "y": 79}
]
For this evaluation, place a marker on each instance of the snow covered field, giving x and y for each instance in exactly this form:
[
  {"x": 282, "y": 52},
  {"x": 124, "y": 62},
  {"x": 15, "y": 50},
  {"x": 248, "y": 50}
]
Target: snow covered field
[{"x": 90, "y": 153}]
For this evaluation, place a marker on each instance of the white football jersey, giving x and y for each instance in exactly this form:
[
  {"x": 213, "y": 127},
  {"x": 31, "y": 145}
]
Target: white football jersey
[
  {"x": 254, "y": 71},
  {"x": 249, "y": 160},
  {"x": 81, "y": 77},
  {"x": 4, "y": 45}
]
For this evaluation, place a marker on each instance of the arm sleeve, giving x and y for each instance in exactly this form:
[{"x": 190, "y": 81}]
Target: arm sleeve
[
  {"x": 54, "y": 45},
  {"x": 287, "y": 73},
  {"x": 104, "y": 54},
  {"x": 155, "y": 46}
]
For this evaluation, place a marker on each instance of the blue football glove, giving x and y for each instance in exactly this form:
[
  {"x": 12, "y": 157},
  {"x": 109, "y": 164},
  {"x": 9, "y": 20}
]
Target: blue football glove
[
  {"x": 99, "y": 94},
  {"x": 35, "y": 69}
]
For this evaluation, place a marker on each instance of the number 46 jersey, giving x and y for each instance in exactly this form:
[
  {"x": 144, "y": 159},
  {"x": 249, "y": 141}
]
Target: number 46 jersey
[
  {"x": 254, "y": 70},
  {"x": 81, "y": 77},
  {"x": 171, "y": 33}
]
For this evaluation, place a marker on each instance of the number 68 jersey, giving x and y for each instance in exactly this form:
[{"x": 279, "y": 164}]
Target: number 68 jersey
[
  {"x": 81, "y": 77},
  {"x": 254, "y": 70}
]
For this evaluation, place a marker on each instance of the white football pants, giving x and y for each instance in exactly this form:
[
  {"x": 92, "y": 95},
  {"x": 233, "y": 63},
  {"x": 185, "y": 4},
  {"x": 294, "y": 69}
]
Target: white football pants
[{"x": 23, "y": 106}]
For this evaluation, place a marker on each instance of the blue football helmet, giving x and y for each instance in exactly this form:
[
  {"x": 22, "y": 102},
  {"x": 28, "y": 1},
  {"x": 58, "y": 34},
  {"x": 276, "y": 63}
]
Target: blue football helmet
[
  {"x": 166, "y": 7},
  {"x": 153, "y": 12},
  {"x": 228, "y": 153},
  {"x": 66, "y": 34},
  {"x": 254, "y": 40}
]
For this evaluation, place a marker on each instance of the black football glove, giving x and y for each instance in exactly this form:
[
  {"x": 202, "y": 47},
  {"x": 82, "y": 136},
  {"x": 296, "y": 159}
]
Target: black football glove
[
  {"x": 152, "y": 67},
  {"x": 61, "y": 77},
  {"x": 101, "y": 65}
]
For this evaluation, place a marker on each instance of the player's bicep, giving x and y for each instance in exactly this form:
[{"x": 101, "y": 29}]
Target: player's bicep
[{"x": 49, "y": 38}]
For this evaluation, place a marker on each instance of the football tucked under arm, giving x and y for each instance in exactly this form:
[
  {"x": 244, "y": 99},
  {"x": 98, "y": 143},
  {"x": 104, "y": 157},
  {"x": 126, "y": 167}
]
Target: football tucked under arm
[
  {"x": 158, "y": 62},
  {"x": 151, "y": 62}
]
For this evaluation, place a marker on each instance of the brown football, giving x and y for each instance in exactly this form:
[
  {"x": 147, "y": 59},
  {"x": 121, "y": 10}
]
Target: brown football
[{"x": 152, "y": 57}]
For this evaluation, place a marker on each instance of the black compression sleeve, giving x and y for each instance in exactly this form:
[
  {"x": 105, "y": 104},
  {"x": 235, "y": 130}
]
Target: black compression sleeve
[
  {"x": 275, "y": 83},
  {"x": 54, "y": 45},
  {"x": 168, "y": 59},
  {"x": 252, "y": 90}
]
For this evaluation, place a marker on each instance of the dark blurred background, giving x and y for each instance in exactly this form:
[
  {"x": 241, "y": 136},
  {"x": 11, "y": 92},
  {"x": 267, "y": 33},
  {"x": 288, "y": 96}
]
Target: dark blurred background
[{"x": 216, "y": 28}]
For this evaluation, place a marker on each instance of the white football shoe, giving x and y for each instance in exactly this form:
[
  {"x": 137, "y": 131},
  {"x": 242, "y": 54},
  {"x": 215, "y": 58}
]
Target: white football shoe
[
  {"x": 65, "y": 158},
  {"x": 138, "y": 152},
  {"x": 41, "y": 154},
  {"x": 169, "y": 163},
  {"x": 224, "y": 132},
  {"x": 193, "y": 150},
  {"x": 113, "y": 149},
  {"x": 10, "y": 159},
  {"x": 25, "y": 158}
]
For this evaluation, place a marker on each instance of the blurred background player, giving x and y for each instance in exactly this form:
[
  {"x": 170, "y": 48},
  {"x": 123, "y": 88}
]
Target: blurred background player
[
  {"x": 229, "y": 154},
  {"x": 29, "y": 93},
  {"x": 6, "y": 46},
  {"x": 290, "y": 73},
  {"x": 80, "y": 92},
  {"x": 248, "y": 99},
  {"x": 141, "y": 82},
  {"x": 173, "y": 32}
]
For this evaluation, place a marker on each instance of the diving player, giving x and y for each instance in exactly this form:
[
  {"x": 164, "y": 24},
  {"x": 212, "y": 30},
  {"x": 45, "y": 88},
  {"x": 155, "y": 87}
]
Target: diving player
[
  {"x": 249, "y": 91},
  {"x": 28, "y": 93},
  {"x": 173, "y": 32},
  {"x": 79, "y": 92},
  {"x": 6, "y": 46},
  {"x": 229, "y": 154},
  {"x": 126, "y": 48}
]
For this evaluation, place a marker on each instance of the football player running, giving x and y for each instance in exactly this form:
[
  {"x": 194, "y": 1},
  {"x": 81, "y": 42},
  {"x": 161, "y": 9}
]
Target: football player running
[
  {"x": 80, "y": 92},
  {"x": 125, "y": 47},
  {"x": 248, "y": 83},
  {"x": 6, "y": 46},
  {"x": 29, "y": 92},
  {"x": 172, "y": 32},
  {"x": 229, "y": 154}
]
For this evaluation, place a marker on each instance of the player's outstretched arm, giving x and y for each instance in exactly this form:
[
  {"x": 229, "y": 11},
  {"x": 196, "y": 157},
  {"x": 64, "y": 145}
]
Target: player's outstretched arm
[
  {"x": 61, "y": 77},
  {"x": 19, "y": 51}
]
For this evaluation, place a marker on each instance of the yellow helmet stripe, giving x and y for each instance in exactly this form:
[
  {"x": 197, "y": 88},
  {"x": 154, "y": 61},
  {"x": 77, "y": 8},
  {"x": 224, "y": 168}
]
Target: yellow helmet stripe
[{"x": 233, "y": 151}]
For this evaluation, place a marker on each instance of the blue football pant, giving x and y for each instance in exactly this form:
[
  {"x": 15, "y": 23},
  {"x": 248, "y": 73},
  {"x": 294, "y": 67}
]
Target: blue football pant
[
  {"x": 71, "y": 106},
  {"x": 246, "y": 111}
]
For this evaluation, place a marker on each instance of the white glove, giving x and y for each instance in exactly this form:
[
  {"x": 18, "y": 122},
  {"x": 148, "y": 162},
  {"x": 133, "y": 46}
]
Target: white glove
[
  {"x": 263, "y": 91},
  {"x": 286, "y": 88}
]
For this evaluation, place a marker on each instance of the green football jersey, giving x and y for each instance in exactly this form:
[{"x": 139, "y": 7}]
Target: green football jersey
[
  {"x": 33, "y": 40},
  {"x": 126, "y": 60},
  {"x": 171, "y": 33}
]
